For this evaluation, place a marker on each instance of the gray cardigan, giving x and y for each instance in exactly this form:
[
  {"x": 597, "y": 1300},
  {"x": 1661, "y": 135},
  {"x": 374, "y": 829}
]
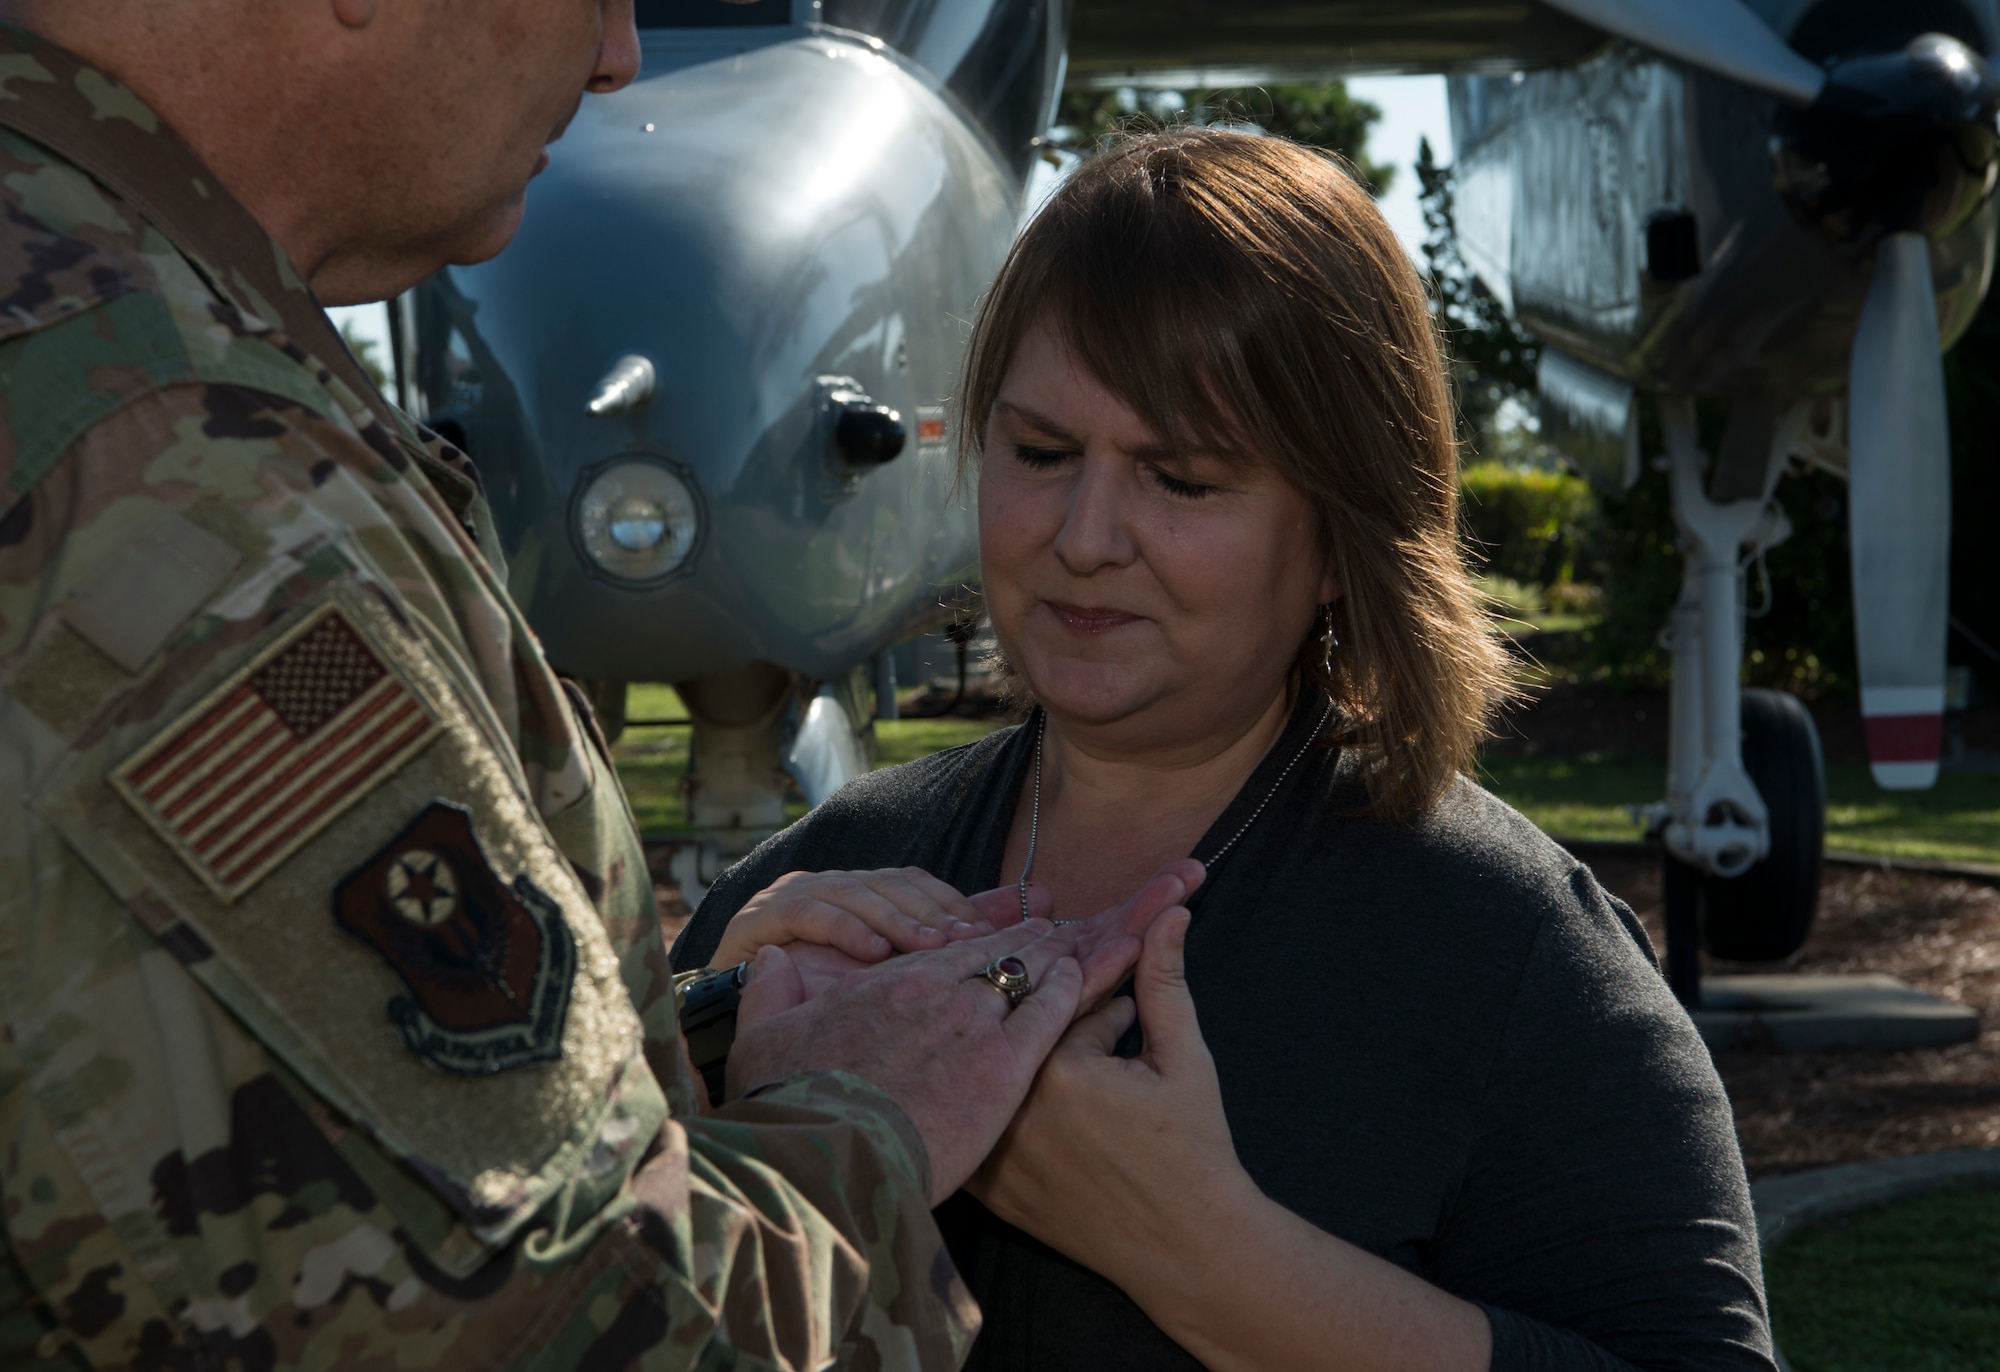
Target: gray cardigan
[{"x": 1440, "y": 1041}]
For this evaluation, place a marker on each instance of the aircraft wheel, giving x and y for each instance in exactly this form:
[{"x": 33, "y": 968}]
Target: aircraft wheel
[{"x": 1766, "y": 913}]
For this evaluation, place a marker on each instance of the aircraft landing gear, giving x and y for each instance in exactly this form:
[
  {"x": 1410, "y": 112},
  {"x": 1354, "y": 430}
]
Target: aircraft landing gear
[
  {"x": 1746, "y": 791},
  {"x": 1766, "y": 913},
  {"x": 762, "y": 734}
]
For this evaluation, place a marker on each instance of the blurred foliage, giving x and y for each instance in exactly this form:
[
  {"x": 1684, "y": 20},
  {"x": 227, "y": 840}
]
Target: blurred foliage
[
  {"x": 1492, "y": 357},
  {"x": 1972, "y": 390},
  {"x": 1529, "y": 524},
  {"x": 1322, "y": 115},
  {"x": 364, "y": 350},
  {"x": 1799, "y": 624}
]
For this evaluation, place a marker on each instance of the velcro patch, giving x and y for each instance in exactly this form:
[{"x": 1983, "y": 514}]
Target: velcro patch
[
  {"x": 149, "y": 588},
  {"x": 252, "y": 772},
  {"x": 487, "y": 963}
]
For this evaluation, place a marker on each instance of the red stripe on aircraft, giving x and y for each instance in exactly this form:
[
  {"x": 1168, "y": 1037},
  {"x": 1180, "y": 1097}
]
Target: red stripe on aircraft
[{"x": 1904, "y": 738}]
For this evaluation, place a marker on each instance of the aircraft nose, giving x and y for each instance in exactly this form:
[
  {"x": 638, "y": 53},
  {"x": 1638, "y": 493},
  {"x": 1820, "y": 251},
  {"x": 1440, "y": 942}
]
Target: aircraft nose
[
  {"x": 704, "y": 385},
  {"x": 1898, "y": 142}
]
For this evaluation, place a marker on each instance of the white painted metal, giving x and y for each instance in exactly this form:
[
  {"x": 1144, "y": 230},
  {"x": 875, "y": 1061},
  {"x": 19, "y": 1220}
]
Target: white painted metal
[
  {"x": 1591, "y": 417},
  {"x": 1719, "y": 822},
  {"x": 1722, "y": 36},
  {"x": 1899, "y": 514},
  {"x": 1684, "y": 750},
  {"x": 825, "y": 754},
  {"x": 629, "y": 384}
]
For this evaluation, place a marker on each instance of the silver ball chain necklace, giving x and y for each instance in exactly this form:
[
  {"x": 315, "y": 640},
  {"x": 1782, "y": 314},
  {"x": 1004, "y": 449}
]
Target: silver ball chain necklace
[{"x": 1035, "y": 804}]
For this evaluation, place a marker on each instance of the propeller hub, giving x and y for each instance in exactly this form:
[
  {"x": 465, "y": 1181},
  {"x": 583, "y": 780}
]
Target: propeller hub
[{"x": 1897, "y": 142}]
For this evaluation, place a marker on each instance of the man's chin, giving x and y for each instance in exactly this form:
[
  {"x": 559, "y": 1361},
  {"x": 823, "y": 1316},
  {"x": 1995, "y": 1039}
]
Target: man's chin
[{"x": 492, "y": 237}]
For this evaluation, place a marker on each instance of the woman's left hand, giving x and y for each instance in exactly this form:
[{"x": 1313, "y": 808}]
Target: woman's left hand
[{"x": 1116, "y": 1161}]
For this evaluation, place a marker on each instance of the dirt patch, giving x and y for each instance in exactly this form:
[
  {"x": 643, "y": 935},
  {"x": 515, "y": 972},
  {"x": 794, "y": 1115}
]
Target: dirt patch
[
  {"x": 674, "y": 913},
  {"x": 1801, "y": 1110}
]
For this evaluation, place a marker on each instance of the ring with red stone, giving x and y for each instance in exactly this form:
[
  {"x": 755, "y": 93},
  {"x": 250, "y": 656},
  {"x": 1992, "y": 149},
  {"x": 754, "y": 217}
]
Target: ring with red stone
[{"x": 1009, "y": 976}]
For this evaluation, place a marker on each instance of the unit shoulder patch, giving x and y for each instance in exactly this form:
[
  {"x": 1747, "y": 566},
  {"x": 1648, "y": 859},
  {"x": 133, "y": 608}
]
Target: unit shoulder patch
[
  {"x": 267, "y": 760},
  {"x": 488, "y": 964}
]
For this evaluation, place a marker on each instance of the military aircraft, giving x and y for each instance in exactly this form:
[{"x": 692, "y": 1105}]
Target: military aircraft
[
  {"x": 691, "y": 383},
  {"x": 706, "y": 384}
]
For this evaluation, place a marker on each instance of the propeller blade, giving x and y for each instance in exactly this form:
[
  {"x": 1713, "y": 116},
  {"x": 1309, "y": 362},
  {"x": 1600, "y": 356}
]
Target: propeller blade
[
  {"x": 1899, "y": 515},
  {"x": 1722, "y": 36}
]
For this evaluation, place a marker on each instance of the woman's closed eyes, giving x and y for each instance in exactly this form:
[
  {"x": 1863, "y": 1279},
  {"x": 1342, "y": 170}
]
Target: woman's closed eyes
[{"x": 1043, "y": 459}]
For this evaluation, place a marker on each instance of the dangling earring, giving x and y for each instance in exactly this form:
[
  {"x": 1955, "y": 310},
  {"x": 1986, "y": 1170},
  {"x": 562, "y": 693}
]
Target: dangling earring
[{"x": 1328, "y": 640}]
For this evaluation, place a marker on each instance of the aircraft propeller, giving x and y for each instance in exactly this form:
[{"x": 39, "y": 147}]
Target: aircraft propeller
[{"x": 1879, "y": 152}]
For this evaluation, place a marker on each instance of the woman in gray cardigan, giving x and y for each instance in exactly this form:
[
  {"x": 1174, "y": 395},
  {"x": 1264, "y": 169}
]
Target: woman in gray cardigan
[{"x": 1411, "y": 1092}]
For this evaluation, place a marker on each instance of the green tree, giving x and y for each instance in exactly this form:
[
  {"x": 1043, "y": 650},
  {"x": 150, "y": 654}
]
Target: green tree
[
  {"x": 1492, "y": 357},
  {"x": 1322, "y": 115},
  {"x": 364, "y": 352},
  {"x": 1799, "y": 633}
]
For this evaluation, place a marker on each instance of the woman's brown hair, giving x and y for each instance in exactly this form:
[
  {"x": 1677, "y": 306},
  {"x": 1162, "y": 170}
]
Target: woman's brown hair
[{"x": 1243, "y": 294}]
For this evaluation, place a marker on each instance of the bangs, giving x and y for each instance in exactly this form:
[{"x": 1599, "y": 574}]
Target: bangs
[{"x": 1145, "y": 298}]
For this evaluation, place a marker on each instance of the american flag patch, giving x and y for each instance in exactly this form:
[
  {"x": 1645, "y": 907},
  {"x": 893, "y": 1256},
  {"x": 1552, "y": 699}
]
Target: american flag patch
[{"x": 277, "y": 753}]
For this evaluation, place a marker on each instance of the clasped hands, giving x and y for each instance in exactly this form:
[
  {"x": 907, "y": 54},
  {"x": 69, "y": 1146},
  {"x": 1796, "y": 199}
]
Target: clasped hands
[{"x": 875, "y": 973}]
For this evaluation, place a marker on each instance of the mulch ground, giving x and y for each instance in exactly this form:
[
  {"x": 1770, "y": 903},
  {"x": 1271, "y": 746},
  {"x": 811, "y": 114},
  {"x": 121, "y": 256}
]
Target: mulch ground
[
  {"x": 1801, "y": 1110},
  {"x": 1940, "y": 934}
]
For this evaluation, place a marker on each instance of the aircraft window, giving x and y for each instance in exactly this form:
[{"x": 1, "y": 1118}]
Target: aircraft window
[{"x": 712, "y": 14}]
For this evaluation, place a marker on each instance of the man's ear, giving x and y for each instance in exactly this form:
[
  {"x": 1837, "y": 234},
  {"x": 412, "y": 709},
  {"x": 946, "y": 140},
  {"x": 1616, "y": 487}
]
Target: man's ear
[{"x": 354, "y": 14}]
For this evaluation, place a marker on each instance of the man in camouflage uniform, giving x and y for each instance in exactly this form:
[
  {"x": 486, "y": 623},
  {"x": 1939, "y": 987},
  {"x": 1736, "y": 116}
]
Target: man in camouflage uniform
[{"x": 335, "y": 1024}]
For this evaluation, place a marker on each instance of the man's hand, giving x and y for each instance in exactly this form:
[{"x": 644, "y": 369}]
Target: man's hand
[
  {"x": 867, "y": 916},
  {"x": 939, "y": 1041},
  {"x": 833, "y": 924}
]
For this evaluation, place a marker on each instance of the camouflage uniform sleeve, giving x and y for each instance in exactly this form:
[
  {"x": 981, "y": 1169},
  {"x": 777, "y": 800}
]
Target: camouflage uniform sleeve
[{"x": 386, "y": 1070}]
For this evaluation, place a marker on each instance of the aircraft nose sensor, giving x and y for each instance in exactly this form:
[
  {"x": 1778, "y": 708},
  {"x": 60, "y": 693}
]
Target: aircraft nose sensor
[
  {"x": 869, "y": 434},
  {"x": 629, "y": 384}
]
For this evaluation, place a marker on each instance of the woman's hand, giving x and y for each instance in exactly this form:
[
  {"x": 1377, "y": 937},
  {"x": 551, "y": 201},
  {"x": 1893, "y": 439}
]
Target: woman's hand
[
  {"x": 1127, "y": 1166},
  {"x": 1114, "y": 1160},
  {"x": 868, "y": 916}
]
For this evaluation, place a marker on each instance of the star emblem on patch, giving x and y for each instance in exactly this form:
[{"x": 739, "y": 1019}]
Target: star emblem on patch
[
  {"x": 422, "y": 888},
  {"x": 487, "y": 965}
]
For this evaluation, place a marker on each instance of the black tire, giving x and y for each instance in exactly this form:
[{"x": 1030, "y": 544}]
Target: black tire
[{"x": 1766, "y": 913}]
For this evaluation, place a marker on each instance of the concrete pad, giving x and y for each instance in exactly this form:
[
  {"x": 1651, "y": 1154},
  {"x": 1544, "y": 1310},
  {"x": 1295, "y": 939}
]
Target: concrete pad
[{"x": 1801, "y": 1013}]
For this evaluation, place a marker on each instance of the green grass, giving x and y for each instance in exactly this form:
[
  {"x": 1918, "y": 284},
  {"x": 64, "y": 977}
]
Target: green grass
[
  {"x": 1913, "y": 1286},
  {"x": 906, "y": 740},
  {"x": 652, "y": 761},
  {"x": 1956, "y": 821}
]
